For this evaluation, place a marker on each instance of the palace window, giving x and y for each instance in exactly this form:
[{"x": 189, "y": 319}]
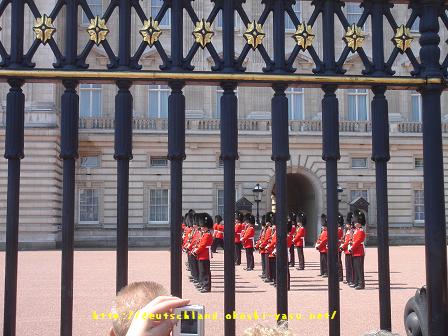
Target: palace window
[
  {"x": 88, "y": 206},
  {"x": 96, "y": 6},
  {"x": 89, "y": 162},
  {"x": 296, "y": 110},
  {"x": 419, "y": 205},
  {"x": 354, "y": 194},
  {"x": 359, "y": 162},
  {"x": 158, "y": 101},
  {"x": 418, "y": 163},
  {"x": 353, "y": 13},
  {"x": 156, "y": 5},
  {"x": 416, "y": 107},
  {"x": 90, "y": 104},
  {"x": 289, "y": 25},
  {"x": 357, "y": 104},
  {"x": 158, "y": 161},
  {"x": 158, "y": 206},
  {"x": 220, "y": 201}
]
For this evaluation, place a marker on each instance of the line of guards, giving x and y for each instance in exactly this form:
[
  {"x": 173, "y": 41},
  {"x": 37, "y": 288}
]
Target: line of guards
[{"x": 200, "y": 242}]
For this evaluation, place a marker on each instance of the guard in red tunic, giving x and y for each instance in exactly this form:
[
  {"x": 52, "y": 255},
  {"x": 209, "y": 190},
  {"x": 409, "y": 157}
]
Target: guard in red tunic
[
  {"x": 344, "y": 248},
  {"x": 186, "y": 237},
  {"x": 248, "y": 242},
  {"x": 321, "y": 246},
  {"x": 271, "y": 253},
  {"x": 203, "y": 252},
  {"x": 258, "y": 247},
  {"x": 195, "y": 238},
  {"x": 292, "y": 219},
  {"x": 299, "y": 239},
  {"x": 238, "y": 228},
  {"x": 266, "y": 241},
  {"x": 340, "y": 235},
  {"x": 218, "y": 233},
  {"x": 358, "y": 251}
]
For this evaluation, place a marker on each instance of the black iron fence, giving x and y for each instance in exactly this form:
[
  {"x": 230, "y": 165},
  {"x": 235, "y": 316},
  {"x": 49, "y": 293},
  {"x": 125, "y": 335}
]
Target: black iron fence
[{"x": 427, "y": 76}]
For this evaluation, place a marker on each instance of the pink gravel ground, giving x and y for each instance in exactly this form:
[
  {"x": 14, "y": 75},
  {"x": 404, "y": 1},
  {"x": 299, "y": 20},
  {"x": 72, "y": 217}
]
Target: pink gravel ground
[{"x": 39, "y": 291}]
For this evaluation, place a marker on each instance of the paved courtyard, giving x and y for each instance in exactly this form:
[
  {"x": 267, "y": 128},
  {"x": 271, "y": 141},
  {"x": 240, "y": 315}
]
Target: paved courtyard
[{"x": 39, "y": 290}]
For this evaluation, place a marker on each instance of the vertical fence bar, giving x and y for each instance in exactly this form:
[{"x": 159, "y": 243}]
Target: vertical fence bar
[
  {"x": 176, "y": 153},
  {"x": 381, "y": 155},
  {"x": 435, "y": 221},
  {"x": 14, "y": 152},
  {"x": 123, "y": 143},
  {"x": 280, "y": 154},
  {"x": 15, "y": 110},
  {"x": 229, "y": 154},
  {"x": 331, "y": 155},
  {"x": 69, "y": 154}
]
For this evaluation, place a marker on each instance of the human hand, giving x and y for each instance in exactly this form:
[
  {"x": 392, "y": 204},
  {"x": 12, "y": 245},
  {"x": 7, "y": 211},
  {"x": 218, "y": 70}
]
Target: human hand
[{"x": 141, "y": 326}]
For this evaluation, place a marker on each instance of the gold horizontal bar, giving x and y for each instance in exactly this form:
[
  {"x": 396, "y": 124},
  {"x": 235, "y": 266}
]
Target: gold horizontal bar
[{"x": 204, "y": 77}]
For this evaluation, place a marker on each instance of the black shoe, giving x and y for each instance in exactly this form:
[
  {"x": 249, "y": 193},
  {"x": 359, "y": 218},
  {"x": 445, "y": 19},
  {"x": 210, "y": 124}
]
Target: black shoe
[
  {"x": 205, "y": 290},
  {"x": 325, "y": 276},
  {"x": 352, "y": 285},
  {"x": 267, "y": 280},
  {"x": 250, "y": 269},
  {"x": 344, "y": 282},
  {"x": 359, "y": 287}
]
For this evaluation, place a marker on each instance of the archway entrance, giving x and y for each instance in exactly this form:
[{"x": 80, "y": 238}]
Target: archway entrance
[{"x": 305, "y": 194}]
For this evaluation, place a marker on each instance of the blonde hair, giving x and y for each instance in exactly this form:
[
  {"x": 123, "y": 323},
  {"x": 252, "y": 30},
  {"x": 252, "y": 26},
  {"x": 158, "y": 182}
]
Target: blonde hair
[
  {"x": 129, "y": 300},
  {"x": 261, "y": 330}
]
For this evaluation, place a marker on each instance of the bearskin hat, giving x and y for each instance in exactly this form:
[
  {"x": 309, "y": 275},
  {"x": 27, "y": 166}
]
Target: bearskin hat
[
  {"x": 269, "y": 217},
  {"x": 323, "y": 219},
  {"x": 239, "y": 216},
  {"x": 340, "y": 220},
  {"x": 218, "y": 219},
  {"x": 301, "y": 218},
  {"x": 292, "y": 216},
  {"x": 205, "y": 220},
  {"x": 251, "y": 219},
  {"x": 189, "y": 219},
  {"x": 349, "y": 217},
  {"x": 360, "y": 217},
  {"x": 247, "y": 217}
]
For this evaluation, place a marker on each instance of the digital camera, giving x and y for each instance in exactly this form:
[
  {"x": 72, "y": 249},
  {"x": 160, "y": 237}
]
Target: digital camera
[{"x": 191, "y": 321}]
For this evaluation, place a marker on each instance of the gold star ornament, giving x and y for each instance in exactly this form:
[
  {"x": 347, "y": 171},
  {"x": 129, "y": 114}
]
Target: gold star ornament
[
  {"x": 403, "y": 38},
  {"x": 354, "y": 37},
  {"x": 203, "y": 33},
  {"x": 304, "y": 36},
  {"x": 44, "y": 29},
  {"x": 254, "y": 34},
  {"x": 150, "y": 31},
  {"x": 97, "y": 30}
]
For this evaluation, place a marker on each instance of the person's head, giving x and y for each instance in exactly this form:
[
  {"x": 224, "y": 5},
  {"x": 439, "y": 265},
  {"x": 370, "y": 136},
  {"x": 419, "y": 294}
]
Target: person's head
[
  {"x": 218, "y": 219},
  {"x": 262, "y": 330},
  {"x": 323, "y": 220},
  {"x": 129, "y": 300},
  {"x": 301, "y": 218},
  {"x": 360, "y": 219},
  {"x": 269, "y": 218},
  {"x": 340, "y": 220},
  {"x": 205, "y": 220},
  {"x": 195, "y": 219},
  {"x": 239, "y": 217},
  {"x": 189, "y": 219}
]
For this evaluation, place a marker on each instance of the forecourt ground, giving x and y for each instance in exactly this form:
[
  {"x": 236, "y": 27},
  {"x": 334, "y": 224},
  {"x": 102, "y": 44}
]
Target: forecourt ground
[{"x": 94, "y": 289}]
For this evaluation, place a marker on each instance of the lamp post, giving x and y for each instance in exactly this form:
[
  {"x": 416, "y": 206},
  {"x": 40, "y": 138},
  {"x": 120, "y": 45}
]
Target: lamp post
[
  {"x": 258, "y": 192},
  {"x": 340, "y": 190}
]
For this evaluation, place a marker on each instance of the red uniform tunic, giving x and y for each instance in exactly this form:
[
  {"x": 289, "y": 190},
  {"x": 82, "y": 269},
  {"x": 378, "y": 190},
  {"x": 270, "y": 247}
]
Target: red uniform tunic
[
  {"x": 186, "y": 236},
  {"x": 203, "y": 249},
  {"x": 289, "y": 240},
  {"x": 265, "y": 241},
  {"x": 271, "y": 247},
  {"x": 219, "y": 231},
  {"x": 248, "y": 238},
  {"x": 322, "y": 242},
  {"x": 347, "y": 239},
  {"x": 195, "y": 240},
  {"x": 358, "y": 243},
  {"x": 299, "y": 237},
  {"x": 215, "y": 229},
  {"x": 260, "y": 237},
  {"x": 238, "y": 229},
  {"x": 340, "y": 234}
]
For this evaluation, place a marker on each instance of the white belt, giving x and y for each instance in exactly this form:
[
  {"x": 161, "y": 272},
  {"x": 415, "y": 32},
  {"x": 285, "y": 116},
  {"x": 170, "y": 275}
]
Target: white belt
[{"x": 210, "y": 254}]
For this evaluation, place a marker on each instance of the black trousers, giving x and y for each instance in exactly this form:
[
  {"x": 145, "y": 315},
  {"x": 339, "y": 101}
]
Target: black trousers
[
  {"x": 205, "y": 275},
  {"x": 301, "y": 257},
  {"x": 217, "y": 242},
  {"x": 238, "y": 248},
  {"x": 292, "y": 256},
  {"x": 194, "y": 268},
  {"x": 323, "y": 264},
  {"x": 341, "y": 270},
  {"x": 349, "y": 268},
  {"x": 358, "y": 268},
  {"x": 272, "y": 268},
  {"x": 250, "y": 258},
  {"x": 263, "y": 264}
]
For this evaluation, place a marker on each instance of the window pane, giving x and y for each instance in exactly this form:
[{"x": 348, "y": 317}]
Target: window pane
[
  {"x": 96, "y": 103},
  {"x": 416, "y": 108},
  {"x": 362, "y": 108},
  {"x": 419, "y": 205},
  {"x": 351, "y": 107},
  {"x": 153, "y": 104},
  {"x": 297, "y": 10},
  {"x": 158, "y": 205},
  {"x": 164, "y": 104},
  {"x": 218, "y": 104},
  {"x": 89, "y": 162},
  {"x": 88, "y": 205},
  {"x": 359, "y": 162},
  {"x": 415, "y": 27},
  {"x": 84, "y": 104},
  {"x": 353, "y": 13}
]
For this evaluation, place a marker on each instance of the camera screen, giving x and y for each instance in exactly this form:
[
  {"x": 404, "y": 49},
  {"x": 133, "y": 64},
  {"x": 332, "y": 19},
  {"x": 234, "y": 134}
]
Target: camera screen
[{"x": 190, "y": 325}]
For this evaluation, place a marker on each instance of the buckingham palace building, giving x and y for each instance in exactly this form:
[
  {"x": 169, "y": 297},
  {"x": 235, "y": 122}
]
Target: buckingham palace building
[{"x": 149, "y": 185}]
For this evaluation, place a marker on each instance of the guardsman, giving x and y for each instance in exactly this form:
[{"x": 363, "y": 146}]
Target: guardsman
[
  {"x": 271, "y": 253},
  {"x": 299, "y": 239},
  {"x": 265, "y": 242},
  {"x": 238, "y": 228},
  {"x": 257, "y": 246},
  {"x": 358, "y": 251},
  {"x": 292, "y": 219},
  {"x": 196, "y": 236},
  {"x": 186, "y": 236},
  {"x": 340, "y": 235},
  {"x": 321, "y": 246},
  {"x": 218, "y": 233},
  {"x": 344, "y": 248},
  {"x": 248, "y": 242},
  {"x": 203, "y": 252}
]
